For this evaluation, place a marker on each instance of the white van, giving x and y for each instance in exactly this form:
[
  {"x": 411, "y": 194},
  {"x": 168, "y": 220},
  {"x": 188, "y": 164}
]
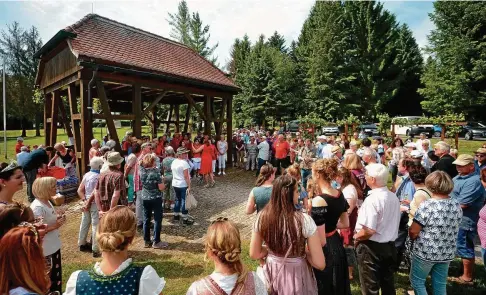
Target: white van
[{"x": 412, "y": 129}]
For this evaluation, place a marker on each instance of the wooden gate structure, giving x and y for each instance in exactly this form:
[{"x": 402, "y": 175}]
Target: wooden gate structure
[{"x": 131, "y": 72}]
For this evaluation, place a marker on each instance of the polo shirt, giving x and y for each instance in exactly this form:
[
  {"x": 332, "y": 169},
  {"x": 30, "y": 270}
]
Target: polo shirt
[
  {"x": 21, "y": 157},
  {"x": 281, "y": 149},
  {"x": 469, "y": 191},
  {"x": 380, "y": 212},
  {"x": 263, "y": 150}
]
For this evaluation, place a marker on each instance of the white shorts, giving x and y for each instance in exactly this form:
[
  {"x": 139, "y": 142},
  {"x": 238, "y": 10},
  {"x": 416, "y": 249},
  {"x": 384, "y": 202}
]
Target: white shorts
[
  {"x": 197, "y": 163},
  {"x": 214, "y": 166}
]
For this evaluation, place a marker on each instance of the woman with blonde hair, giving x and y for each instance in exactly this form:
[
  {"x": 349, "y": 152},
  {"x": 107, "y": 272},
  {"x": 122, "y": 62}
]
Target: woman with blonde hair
[
  {"x": 116, "y": 271},
  {"x": 223, "y": 247},
  {"x": 152, "y": 188},
  {"x": 353, "y": 163},
  {"x": 43, "y": 189},
  {"x": 330, "y": 213},
  {"x": 22, "y": 264},
  {"x": 261, "y": 193}
]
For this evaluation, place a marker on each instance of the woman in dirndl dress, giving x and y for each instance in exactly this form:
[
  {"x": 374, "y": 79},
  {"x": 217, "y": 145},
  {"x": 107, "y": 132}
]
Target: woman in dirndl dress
[
  {"x": 286, "y": 257},
  {"x": 68, "y": 186},
  {"x": 329, "y": 211}
]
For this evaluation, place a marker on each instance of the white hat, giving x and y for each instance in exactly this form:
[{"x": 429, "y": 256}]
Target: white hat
[
  {"x": 114, "y": 159},
  {"x": 416, "y": 154}
]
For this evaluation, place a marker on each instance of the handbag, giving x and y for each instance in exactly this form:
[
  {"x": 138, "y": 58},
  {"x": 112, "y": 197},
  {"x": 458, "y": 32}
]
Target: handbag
[{"x": 191, "y": 201}]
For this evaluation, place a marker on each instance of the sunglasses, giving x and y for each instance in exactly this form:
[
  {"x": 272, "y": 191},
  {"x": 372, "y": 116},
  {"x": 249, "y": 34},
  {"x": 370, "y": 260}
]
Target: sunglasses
[
  {"x": 219, "y": 219},
  {"x": 480, "y": 155}
]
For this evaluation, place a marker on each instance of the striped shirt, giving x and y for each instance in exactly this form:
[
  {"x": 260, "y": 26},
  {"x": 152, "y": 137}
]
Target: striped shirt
[{"x": 108, "y": 183}]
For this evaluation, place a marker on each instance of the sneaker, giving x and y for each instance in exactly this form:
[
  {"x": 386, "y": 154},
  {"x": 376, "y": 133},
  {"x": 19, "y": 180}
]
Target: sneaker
[
  {"x": 188, "y": 222},
  {"x": 96, "y": 254},
  {"x": 224, "y": 173},
  {"x": 148, "y": 245},
  {"x": 85, "y": 248},
  {"x": 219, "y": 173},
  {"x": 176, "y": 218},
  {"x": 160, "y": 245}
]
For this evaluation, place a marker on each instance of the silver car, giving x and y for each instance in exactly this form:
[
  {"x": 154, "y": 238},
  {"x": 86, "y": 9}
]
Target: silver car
[{"x": 330, "y": 130}]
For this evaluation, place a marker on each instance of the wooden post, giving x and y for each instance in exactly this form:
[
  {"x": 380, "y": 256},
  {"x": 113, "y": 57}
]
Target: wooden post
[
  {"x": 177, "y": 118},
  {"x": 54, "y": 116},
  {"x": 346, "y": 130},
  {"x": 64, "y": 118},
  {"x": 47, "y": 118},
  {"x": 207, "y": 115},
  {"x": 393, "y": 130},
  {"x": 137, "y": 110},
  {"x": 443, "y": 131},
  {"x": 154, "y": 122},
  {"x": 229, "y": 129},
  {"x": 86, "y": 126},
  {"x": 187, "y": 118},
  {"x": 76, "y": 123},
  {"x": 110, "y": 123},
  {"x": 457, "y": 142},
  {"x": 169, "y": 118}
]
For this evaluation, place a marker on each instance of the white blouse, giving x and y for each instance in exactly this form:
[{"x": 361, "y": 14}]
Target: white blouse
[
  {"x": 150, "y": 282},
  {"x": 51, "y": 242},
  {"x": 228, "y": 282}
]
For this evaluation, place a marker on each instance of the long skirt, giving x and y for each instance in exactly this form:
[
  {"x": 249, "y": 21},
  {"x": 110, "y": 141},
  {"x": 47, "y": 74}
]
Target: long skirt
[
  {"x": 289, "y": 275},
  {"x": 53, "y": 262},
  {"x": 334, "y": 279}
]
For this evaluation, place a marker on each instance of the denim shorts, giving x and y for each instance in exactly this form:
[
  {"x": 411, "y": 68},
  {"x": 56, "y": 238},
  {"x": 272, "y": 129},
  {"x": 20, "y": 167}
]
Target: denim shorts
[{"x": 465, "y": 243}]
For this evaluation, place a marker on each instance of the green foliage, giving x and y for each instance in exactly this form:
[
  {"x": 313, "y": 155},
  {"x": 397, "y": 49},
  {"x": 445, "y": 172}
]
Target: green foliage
[
  {"x": 190, "y": 31},
  {"x": 455, "y": 72},
  {"x": 277, "y": 41},
  {"x": 385, "y": 123}
]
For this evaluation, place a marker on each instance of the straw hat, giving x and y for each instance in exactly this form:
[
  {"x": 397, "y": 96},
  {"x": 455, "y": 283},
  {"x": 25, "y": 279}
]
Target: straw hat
[{"x": 114, "y": 159}]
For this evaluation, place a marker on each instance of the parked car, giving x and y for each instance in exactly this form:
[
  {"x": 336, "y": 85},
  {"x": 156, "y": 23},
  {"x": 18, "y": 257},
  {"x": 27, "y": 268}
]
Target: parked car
[
  {"x": 370, "y": 129},
  {"x": 413, "y": 129},
  {"x": 330, "y": 130},
  {"x": 469, "y": 131},
  {"x": 293, "y": 126}
]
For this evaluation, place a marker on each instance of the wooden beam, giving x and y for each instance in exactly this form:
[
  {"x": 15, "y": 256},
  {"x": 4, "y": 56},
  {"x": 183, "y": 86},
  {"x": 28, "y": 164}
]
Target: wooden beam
[
  {"x": 187, "y": 118},
  {"x": 169, "y": 118},
  {"x": 86, "y": 127},
  {"x": 154, "y": 122},
  {"x": 61, "y": 84},
  {"x": 64, "y": 119},
  {"x": 229, "y": 127},
  {"x": 195, "y": 105},
  {"x": 154, "y": 103},
  {"x": 109, "y": 117},
  {"x": 54, "y": 116},
  {"x": 177, "y": 119},
  {"x": 76, "y": 124},
  {"x": 137, "y": 110},
  {"x": 224, "y": 102},
  {"x": 47, "y": 117},
  {"x": 207, "y": 115}
]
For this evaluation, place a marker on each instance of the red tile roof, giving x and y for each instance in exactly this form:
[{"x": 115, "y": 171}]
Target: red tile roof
[{"x": 106, "y": 40}]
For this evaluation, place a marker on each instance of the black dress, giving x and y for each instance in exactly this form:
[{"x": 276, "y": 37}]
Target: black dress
[{"x": 334, "y": 279}]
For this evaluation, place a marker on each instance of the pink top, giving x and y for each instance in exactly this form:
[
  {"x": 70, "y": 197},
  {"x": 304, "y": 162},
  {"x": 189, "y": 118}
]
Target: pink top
[{"x": 482, "y": 227}]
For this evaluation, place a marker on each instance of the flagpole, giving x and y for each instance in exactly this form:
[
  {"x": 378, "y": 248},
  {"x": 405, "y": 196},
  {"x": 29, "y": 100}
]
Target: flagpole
[{"x": 4, "y": 111}]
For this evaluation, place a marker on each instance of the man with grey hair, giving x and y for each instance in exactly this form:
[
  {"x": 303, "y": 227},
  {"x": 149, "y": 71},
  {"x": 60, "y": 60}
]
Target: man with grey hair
[
  {"x": 22, "y": 156},
  {"x": 369, "y": 156},
  {"x": 94, "y": 151},
  {"x": 376, "y": 232},
  {"x": 445, "y": 163}
]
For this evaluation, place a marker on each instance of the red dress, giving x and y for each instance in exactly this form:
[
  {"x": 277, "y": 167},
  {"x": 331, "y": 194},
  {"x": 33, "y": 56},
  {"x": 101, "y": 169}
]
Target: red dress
[{"x": 206, "y": 160}]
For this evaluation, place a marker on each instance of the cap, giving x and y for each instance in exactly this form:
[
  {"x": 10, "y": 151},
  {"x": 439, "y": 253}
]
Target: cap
[
  {"x": 416, "y": 154},
  {"x": 481, "y": 151},
  {"x": 463, "y": 160}
]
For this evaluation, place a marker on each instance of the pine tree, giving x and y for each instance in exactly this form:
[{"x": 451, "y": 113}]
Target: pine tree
[
  {"x": 455, "y": 72},
  {"x": 180, "y": 23},
  {"x": 277, "y": 41},
  {"x": 239, "y": 54}
]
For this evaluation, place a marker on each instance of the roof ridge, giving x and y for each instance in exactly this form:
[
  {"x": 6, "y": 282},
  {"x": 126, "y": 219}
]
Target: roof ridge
[{"x": 114, "y": 22}]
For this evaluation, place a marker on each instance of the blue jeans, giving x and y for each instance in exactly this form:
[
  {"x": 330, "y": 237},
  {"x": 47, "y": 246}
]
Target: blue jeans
[
  {"x": 180, "y": 201},
  {"x": 465, "y": 243},
  {"x": 420, "y": 270},
  {"x": 305, "y": 173},
  {"x": 150, "y": 206},
  {"x": 260, "y": 163}
]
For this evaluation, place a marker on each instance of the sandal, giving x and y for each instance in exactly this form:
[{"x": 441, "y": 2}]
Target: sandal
[{"x": 462, "y": 281}]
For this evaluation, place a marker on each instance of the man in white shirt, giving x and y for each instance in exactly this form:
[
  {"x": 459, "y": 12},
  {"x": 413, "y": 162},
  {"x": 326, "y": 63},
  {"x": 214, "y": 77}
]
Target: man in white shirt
[
  {"x": 420, "y": 141},
  {"x": 263, "y": 153},
  {"x": 376, "y": 231}
]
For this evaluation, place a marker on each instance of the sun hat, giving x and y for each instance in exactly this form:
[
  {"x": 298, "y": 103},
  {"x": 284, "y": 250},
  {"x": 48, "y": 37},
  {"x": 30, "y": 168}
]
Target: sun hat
[
  {"x": 463, "y": 160},
  {"x": 416, "y": 154},
  {"x": 114, "y": 159},
  {"x": 335, "y": 149},
  {"x": 182, "y": 150}
]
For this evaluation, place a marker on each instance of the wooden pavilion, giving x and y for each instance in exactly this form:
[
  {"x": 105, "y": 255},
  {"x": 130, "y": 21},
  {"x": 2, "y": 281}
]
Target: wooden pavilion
[{"x": 131, "y": 72}]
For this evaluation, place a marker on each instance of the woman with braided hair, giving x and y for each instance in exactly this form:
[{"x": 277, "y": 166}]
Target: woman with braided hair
[
  {"x": 223, "y": 247},
  {"x": 116, "y": 272}
]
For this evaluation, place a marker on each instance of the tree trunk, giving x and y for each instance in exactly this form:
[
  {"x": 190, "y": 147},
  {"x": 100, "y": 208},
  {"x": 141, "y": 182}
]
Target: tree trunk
[
  {"x": 37, "y": 124},
  {"x": 24, "y": 131}
]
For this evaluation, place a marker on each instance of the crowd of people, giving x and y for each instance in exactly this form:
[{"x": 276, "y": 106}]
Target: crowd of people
[{"x": 327, "y": 204}]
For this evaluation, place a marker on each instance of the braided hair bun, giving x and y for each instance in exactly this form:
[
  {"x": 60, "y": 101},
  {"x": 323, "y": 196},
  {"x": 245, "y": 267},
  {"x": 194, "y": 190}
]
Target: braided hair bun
[
  {"x": 326, "y": 168},
  {"x": 117, "y": 229}
]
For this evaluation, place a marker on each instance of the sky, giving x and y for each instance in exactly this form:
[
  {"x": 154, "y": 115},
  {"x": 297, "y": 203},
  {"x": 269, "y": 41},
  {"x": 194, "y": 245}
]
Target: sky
[{"x": 228, "y": 19}]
